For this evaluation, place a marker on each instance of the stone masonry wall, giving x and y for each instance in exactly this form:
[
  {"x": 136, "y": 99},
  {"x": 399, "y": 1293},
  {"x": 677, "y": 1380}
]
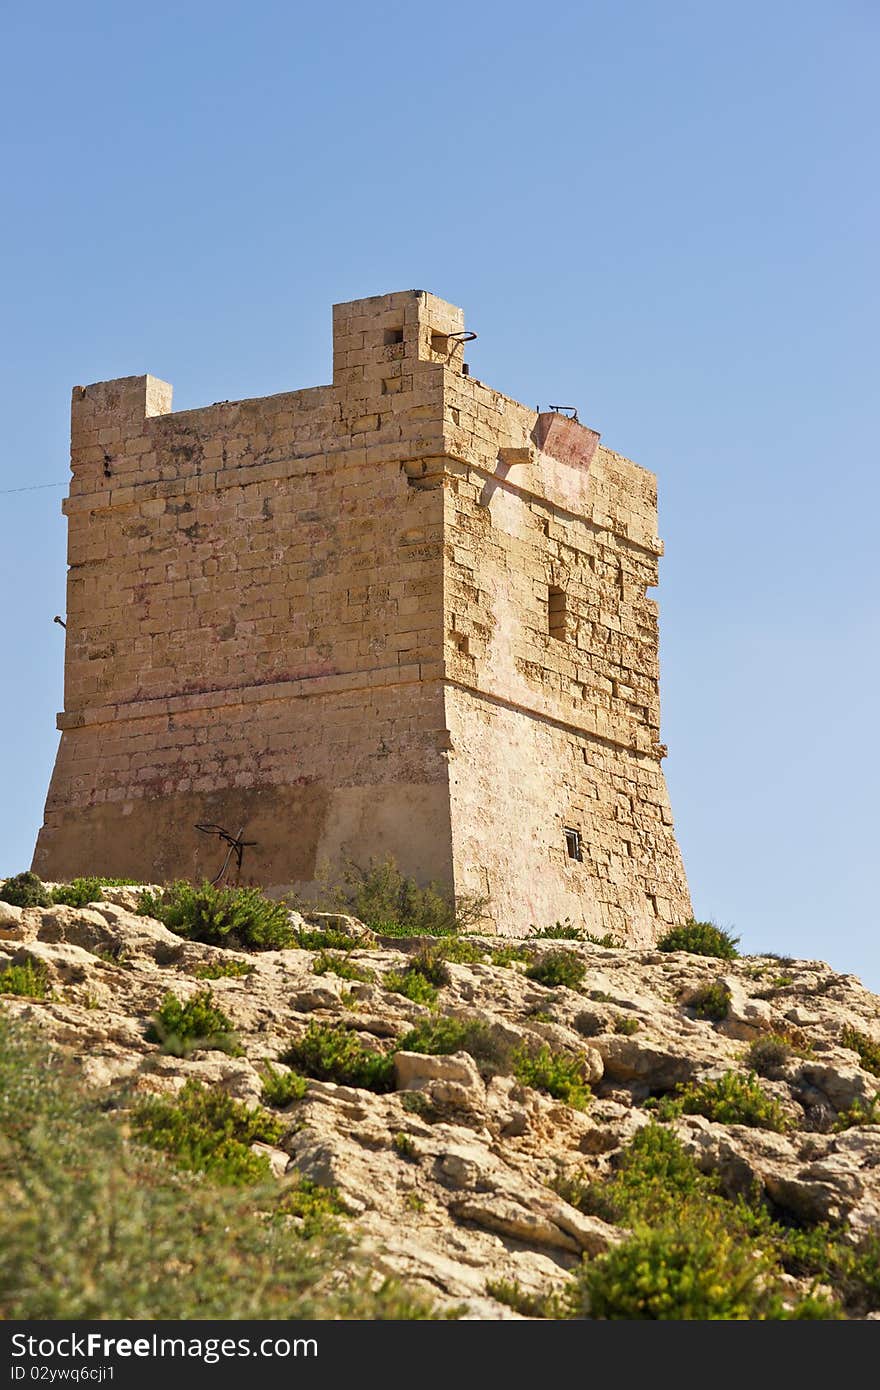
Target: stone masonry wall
[{"x": 397, "y": 614}]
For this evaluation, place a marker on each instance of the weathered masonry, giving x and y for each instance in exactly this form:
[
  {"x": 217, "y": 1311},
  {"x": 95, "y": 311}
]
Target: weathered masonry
[{"x": 400, "y": 614}]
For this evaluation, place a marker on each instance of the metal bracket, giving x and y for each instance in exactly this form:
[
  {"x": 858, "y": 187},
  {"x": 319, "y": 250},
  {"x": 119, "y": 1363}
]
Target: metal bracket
[{"x": 236, "y": 845}]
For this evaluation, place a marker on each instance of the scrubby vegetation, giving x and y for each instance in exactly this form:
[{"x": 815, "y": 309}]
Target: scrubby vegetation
[
  {"x": 330, "y": 962},
  {"x": 224, "y": 970},
  {"x": 731, "y": 1099},
  {"x": 241, "y": 918},
  {"x": 868, "y": 1050},
  {"x": 556, "y": 968},
  {"x": 711, "y": 1001},
  {"x": 558, "y": 1073},
  {"x": 513, "y": 954},
  {"x": 330, "y": 1053},
  {"x": 282, "y": 1088},
  {"x": 767, "y": 1054},
  {"x": 82, "y": 891},
  {"x": 393, "y": 904},
  {"x": 25, "y": 890},
  {"x": 701, "y": 939},
  {"x": 693, "y": 1254},
  {"x": 26, "y": 979},
  {"x": 99, "y": 1230},
  {"x": 205, "y": 1131},
  {"x": 443, "y": 1035},
  {"x": 181, "y": 1027}
]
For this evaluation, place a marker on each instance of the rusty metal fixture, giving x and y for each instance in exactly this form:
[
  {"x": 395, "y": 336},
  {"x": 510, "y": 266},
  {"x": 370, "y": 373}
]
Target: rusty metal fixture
[
  {"x": 236, "y": 845},
  {"x": 563, "y": 409}
]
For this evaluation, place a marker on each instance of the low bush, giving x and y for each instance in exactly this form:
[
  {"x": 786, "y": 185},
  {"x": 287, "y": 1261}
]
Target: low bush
[
  {"x": 182, "y": 1027},
  {"x": 95, "y": 1229},
  {"x": 460, "y": 951},
  {"x": 82, "y": 891},
  {"x": 512, "y": 955},
  {"x": 412, "y": 985},
  {"x": 700, "y": 939},
  {"x": 767, "y": 1054},
  {"x": 693, "y": 1270},
  {"x": 329, "y": 962},
  {"x": 526, "y": 1303},
  {"x": 558, "y": 1073},
  {"x": 626, "y": 1026},
  {"x": 316, "y": 1208},
  {"x": 393, "y": 904},
  {"x": 557, "y": 968},
  {"x": 205, "y": 1131},
  {"x": 859, "y": 1113},
  {"x": 241, "y": 918},
  {"x": 224, "y": 970},
  {"x": 731, "y": 1099},
  {"x": 282, "y": 1088},
  {"x": 330, "y": 1053},
  {"x": 711, "y": 1001},
  {"x": 868, "y": 1050},
  {"x": 25, "y": 890},
  {"x": 28, "y": 979},
  {"x": 442, "y": 1035},
  {"x": 652, "y": 1179},
  {"x": 560, "y": 931}
]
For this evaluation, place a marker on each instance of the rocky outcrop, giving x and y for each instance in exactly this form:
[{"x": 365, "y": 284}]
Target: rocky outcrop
[{"x": 451, "y": 1178}]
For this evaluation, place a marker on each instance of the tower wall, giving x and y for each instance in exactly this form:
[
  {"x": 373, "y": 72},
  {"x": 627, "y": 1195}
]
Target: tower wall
[{"x": 397, "y": 614}]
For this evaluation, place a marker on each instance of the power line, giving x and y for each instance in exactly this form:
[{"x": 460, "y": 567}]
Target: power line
[{"x": 35, "y": 487}]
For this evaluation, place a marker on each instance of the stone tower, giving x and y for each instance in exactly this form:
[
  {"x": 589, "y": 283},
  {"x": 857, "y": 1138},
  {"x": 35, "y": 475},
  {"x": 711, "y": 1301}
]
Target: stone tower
[{"x": 399, "y": 614}]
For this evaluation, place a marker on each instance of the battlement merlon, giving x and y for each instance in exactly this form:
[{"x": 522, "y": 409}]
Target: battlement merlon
[{"x": 399, "y": 394}]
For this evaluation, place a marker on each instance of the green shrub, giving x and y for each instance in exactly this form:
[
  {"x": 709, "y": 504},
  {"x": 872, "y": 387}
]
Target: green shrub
[
  {"x": 282, "y": 1088},
  {"x": 693, "y": 1270},
  {"x": 512, "y": 955},
  {"x": 205, "y": 1131},
  {"x": 868, "y": 1050},
  {"x": 417, "y": 1104},
  {"x": 412, "y": 985},
  {"x": 609, "y": 941},
  {"x": 626, "y": 1026},
  {"x": 460, "y": 951},
  {"x": 183, "y": 1027},
  {"x": 394, "y": 905},
  {"x": 558, "y": 968},
  {"x": 528, "y": 1305},
  {"x": 653, "y": 1178},
  {"x": 701, "y": 939},
  {"x": 442, "y": 1035},
  {"x": 322, "y": 939},
  {"x": 859, "y": 1113},
  {"x": 560, "y": 931},
  {"x": 405, "y": 1146},
  {"x": 95, "y": 1229},
  {"x": 82, "y": 891},
  {"x": 328, "y": 962},
  {"x": 330, "y": 1053},
  {"x": 25, "y": 890},
  {"x": 711, "y": 1001},
  {"x": 27, "y": 979},
  {"x": 767, "y": 1054},
  {"x": 557, "y": 1073},
  {"x": 315, "y": 1207},
  {"x": 731, "y": 1099},
  {"x": 241, "y": 918},
  {"x": 224, "y": 970}
]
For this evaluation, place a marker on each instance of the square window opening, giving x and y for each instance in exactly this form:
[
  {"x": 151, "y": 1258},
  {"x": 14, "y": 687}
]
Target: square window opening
[
  {"x": 393, "y": 335},
  {"x": 573, "y": 845}
]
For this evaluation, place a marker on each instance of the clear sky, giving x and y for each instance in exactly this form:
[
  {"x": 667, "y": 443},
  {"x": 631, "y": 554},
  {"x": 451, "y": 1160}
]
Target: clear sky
[{"x": 664, "y": 213}]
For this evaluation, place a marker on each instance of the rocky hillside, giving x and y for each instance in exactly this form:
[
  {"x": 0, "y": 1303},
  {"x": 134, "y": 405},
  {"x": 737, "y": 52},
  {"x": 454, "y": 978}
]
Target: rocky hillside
[{"x": 488, "y": 1095}]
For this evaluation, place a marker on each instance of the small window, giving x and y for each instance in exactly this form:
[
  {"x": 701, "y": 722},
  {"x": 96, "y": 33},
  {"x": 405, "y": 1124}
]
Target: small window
[
  {"x": 573, "y": 847},
  {"x": 393, "y": 335},
  {"x": 557, "y": 613}
]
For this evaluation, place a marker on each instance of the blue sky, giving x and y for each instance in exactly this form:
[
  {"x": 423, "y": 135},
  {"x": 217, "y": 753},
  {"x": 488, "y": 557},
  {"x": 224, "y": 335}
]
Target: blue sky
[{"x": 665, "y": 213}]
